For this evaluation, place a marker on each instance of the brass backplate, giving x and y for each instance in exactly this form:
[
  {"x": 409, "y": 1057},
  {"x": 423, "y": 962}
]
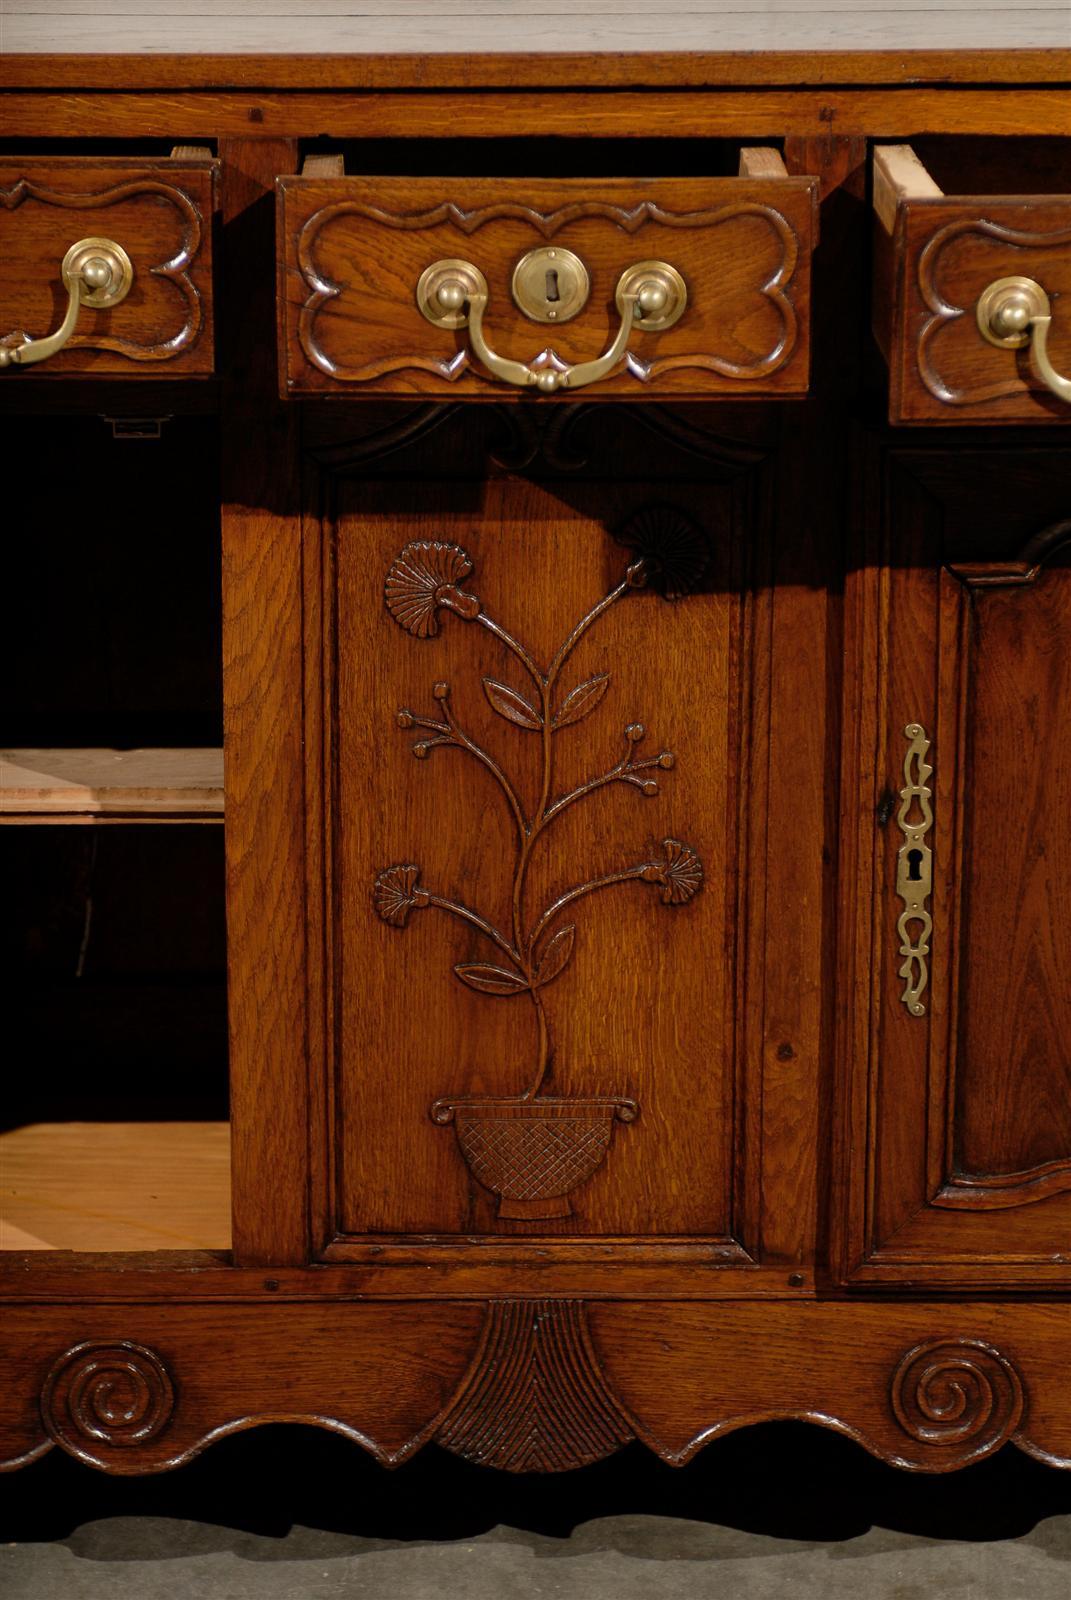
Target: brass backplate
[{"x": 550, "y": 284}]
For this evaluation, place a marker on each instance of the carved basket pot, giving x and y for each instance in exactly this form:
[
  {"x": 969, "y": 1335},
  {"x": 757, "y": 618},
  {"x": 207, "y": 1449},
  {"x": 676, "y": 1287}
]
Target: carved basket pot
[{"x": 533, "y": 1153}]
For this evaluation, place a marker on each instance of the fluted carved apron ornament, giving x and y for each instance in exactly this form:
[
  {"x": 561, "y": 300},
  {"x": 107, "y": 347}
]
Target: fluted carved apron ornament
[{"x": 533, "y": 1149}]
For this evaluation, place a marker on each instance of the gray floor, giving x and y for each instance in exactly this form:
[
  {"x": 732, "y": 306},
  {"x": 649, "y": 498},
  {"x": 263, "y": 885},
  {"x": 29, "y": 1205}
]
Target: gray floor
[{"x": 294, "y": 1515}]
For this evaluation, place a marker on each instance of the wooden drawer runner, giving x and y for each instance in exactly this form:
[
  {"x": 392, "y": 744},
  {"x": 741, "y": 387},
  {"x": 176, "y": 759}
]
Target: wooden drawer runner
[
  {"x": 936, "y": 256},
  {"x": 353, "y": 251},
  {"x": 158, "y": 211}
]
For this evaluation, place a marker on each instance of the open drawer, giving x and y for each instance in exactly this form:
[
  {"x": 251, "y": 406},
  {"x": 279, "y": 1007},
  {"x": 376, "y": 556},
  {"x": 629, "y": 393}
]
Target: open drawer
[
  {"x": 486, "y": 287},
  {"x": 106, "y": 264},
  {"x": 972, "y": 299}
]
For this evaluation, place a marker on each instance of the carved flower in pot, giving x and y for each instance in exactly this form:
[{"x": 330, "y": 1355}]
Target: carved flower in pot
[{"x": 534, "y": 1149}]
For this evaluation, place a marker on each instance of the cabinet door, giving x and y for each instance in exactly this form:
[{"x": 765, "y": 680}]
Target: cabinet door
[
  {"x": 544, "y": 690},
  {"x": 958, "y": 1069}
]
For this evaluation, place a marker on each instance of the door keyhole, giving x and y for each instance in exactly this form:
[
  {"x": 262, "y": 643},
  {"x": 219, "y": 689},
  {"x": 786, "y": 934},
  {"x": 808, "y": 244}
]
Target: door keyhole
[
  {"x": 914, "y": 866},
  {"x": 553, "y": 296}
]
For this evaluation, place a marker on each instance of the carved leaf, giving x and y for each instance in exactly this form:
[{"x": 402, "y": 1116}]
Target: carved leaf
[
  {"x": 556, "y": 954},
  {"x": 584, "y": 698},
  {"x": 491, "y": 980},
  {"x": 511, "y": 705}
]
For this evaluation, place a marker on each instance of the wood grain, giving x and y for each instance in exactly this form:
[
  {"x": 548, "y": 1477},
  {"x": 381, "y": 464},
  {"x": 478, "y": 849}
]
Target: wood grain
[
  {"x": 160, "y": 212},
  {"x": 623, "y": 113},
  {"x": 564, "y": 69},
  {"x": 115, "y": 1186},
  {"x": 262, "y": 678},
  {"x": 134, "y": 784},
  {"x": 353, "y": 251},
  {"x": 624, "y": 27}
]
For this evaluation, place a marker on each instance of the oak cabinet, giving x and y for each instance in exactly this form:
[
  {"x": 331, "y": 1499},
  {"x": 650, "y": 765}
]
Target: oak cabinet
[{"x": 646, "y": 863}]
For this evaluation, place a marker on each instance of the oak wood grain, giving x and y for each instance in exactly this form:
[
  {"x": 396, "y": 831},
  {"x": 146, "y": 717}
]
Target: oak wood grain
[
  {"x": 160, "y": 211},
  {"x": 352, "y": 251}
]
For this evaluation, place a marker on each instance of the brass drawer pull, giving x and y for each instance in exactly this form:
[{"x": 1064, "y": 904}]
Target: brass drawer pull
[
  {"x": 650, "y": 295},
  {"x": 96, "y": 273},
  {"x": 1013, "y": 312},
  {"x": 914, "y": 869}
]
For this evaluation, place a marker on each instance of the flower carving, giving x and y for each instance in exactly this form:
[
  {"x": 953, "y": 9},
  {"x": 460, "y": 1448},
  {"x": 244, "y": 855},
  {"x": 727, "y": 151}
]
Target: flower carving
[
  {"x": 424, "y": 577},
  {"x": 680, "y": 874},
  {"x": 674, "y": 554},
  {"x": 397, "y": 892}
]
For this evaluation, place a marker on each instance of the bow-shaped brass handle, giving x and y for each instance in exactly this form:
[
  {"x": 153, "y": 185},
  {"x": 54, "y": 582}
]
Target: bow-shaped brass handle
[
  {"x": 650, "y": 296},
  {"x": 96, "y": 273},
  {"x": 1013, "y": 312}
]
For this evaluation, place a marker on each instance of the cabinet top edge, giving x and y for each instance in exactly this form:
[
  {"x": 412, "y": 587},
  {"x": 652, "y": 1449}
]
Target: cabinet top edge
[{"x": 549, "y": 71}]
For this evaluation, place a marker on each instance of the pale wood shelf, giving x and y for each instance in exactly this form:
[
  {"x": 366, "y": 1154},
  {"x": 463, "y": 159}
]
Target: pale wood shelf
[
  {"x": 115, "y": 1186},
  {"x": 94, "y": 786}
]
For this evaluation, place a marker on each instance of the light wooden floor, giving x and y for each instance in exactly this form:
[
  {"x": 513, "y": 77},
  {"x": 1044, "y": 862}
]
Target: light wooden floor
[{"x": 115, "y": 1186}]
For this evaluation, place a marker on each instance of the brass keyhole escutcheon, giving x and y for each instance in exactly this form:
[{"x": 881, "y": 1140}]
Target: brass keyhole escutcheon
[{"x": 550, "y": 284}]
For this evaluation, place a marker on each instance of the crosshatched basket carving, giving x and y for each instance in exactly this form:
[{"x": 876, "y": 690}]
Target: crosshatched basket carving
[{"x": 531, "y": 1154}]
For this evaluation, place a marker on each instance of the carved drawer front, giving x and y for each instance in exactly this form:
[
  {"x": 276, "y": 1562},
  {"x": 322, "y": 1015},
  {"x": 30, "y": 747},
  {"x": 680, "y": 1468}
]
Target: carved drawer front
[
  {"x": 486, "y": 287},
  {"x": 106, "y": 265},
  {"x": 972, "y": 299}
]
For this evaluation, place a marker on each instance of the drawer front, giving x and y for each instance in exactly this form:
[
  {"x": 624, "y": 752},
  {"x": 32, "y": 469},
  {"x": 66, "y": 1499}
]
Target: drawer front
[
  {"x": 353, "y": 252},
  {"x": 942, "y": 257},
  {"x": 155, "y": 213}
]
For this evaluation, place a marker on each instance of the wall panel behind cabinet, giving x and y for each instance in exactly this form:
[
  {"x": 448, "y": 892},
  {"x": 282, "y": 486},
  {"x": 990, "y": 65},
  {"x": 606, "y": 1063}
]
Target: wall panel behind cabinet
[{"x": 607, "y": 1033}]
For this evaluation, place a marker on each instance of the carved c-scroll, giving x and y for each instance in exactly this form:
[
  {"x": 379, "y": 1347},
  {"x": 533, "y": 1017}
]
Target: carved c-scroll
[
  {"x": 453, "y": 366},
  {"x": 958, "y": 1394},
  {"x": 535, "y": 1399},
  {"x": 175, "y": 270},
  {"x": 107, "y": 1392}
]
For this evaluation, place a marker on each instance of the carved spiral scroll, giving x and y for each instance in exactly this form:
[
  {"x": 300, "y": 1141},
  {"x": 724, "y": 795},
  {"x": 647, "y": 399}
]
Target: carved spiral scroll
[
  {"x": 112, "y": 1393},
  {"x": 958, "y": 1393}
]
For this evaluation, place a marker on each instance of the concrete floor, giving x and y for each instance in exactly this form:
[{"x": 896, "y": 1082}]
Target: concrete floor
[{"x": 291, "y": 1514}]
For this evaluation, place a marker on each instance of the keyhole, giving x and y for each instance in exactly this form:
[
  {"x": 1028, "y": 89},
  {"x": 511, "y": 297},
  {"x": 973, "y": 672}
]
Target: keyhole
[
  {"x": 914, "y": 866},
  {"x": 552, "y": 286}
]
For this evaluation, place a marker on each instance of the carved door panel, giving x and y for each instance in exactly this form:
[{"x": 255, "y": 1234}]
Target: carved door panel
[
  {"x": 537, "y": 698},
  {"x": 962, "y": 1068}
]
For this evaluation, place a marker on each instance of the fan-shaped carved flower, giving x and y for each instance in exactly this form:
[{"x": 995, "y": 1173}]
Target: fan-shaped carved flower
[
  {"x": 396, "y": 893},
  {"x": 680, "y": 874},
  {"x": 424, "y": 577},
  {"x": 674, "y": 554}
]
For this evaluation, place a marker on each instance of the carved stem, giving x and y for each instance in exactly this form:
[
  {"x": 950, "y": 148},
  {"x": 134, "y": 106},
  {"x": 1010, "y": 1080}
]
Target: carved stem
[
  {"x": 457, "y": 910},
  {"x": 514, "y": 646},
  {"x": 466, "y": 743},
  {"x": 582, "y": 627},
  {"x": 543, "y": 1052},
  {"x": 575, "y": 894}
]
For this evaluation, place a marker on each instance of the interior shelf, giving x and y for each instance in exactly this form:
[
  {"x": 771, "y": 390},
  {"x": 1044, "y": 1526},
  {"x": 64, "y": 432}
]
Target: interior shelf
[
  {"x": 94, "y": 786},
  {"x": 115, "y": 1186}
]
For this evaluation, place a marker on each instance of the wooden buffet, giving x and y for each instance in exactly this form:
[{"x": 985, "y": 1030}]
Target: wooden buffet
[{"x": 718, "y": 714}]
